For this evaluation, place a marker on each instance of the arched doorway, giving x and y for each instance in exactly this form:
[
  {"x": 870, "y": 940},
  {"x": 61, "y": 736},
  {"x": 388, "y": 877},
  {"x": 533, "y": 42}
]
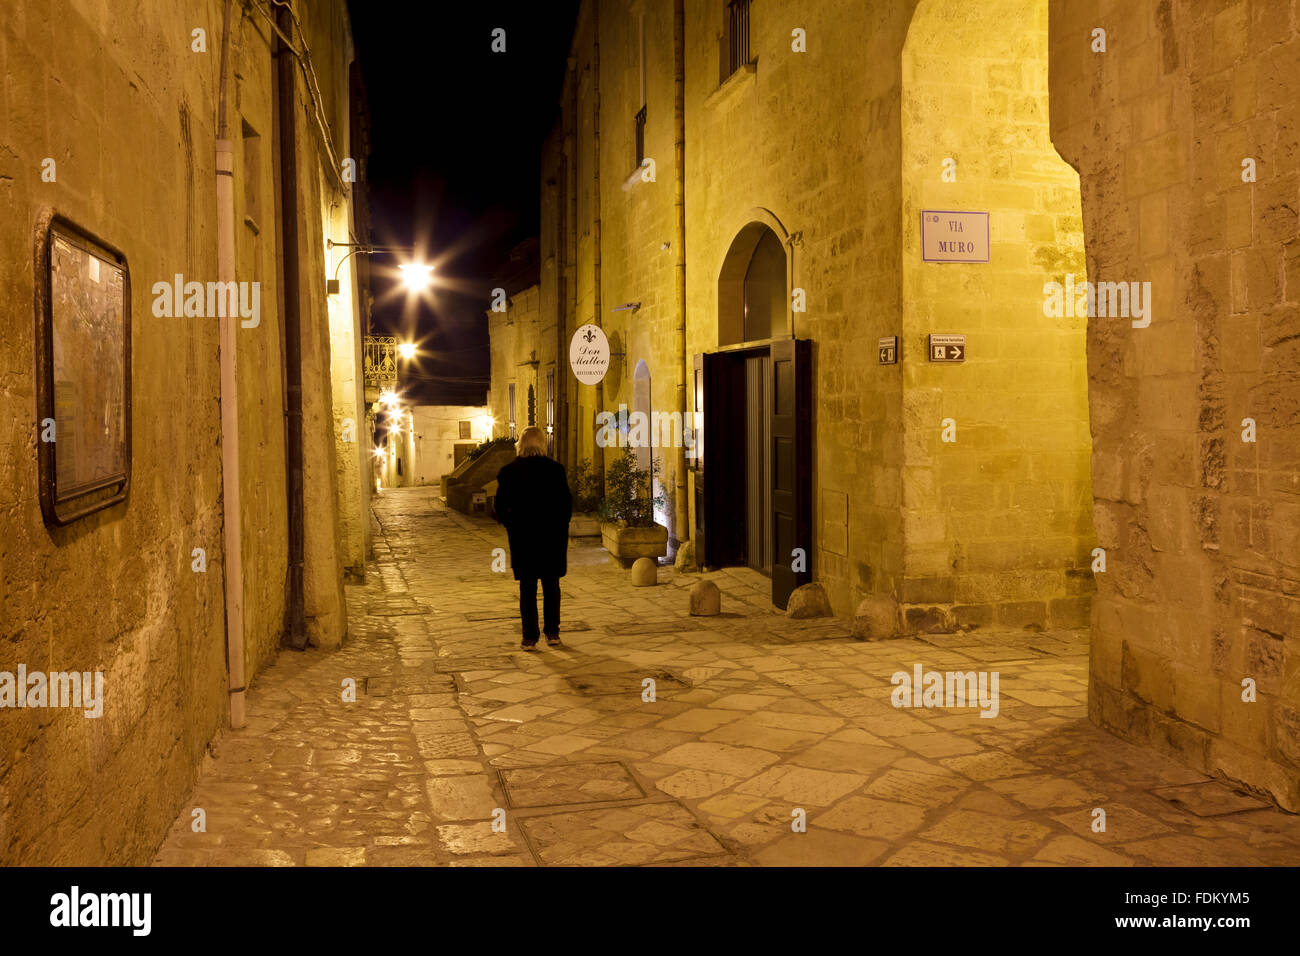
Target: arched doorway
[{"x": 753, "y": 479}]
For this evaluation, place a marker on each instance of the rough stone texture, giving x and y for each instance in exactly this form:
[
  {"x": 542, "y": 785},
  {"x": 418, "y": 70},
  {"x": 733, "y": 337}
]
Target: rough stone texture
[
  {"x": 1000, "y": 515},
  {"x": 130, "y": 122},
  {"x": 706, "y": 599},
  {"x": 1003, "y": 515},
  {"x": 1201, "y": 529},
  {"x": 685, "y": 559},
  {"x": 808, "y": 600},
  {"x": 778, "y": 714},
  {"x": 524, "y": 350},
  {"x": 876, "y": 619},
  {"x": 645, "y": 573}
]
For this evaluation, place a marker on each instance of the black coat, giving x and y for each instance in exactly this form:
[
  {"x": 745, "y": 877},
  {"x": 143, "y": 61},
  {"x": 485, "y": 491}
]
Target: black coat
[{"x": 534, "y": 504}]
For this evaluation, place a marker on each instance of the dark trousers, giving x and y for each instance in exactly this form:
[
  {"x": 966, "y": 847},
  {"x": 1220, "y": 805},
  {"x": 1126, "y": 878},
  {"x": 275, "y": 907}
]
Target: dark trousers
[{"x": 550, "y": 607}]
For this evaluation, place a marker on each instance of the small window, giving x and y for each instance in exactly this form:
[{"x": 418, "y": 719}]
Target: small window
[
  {"x": 512, "y": 409},
  {"x": 252, "y": 176},
  {"x": 532, "y": 407},
  {"x": 464, "y": 430},
  {"x": 734, "y": 43},
  {"x": 639, "y": 120},
  {"x": 83, "y": 363}
]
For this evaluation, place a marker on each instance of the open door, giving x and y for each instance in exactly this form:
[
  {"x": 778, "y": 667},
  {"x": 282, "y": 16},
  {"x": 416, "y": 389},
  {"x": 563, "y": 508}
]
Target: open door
[
  {"x": 791, "y": 471},
  {"x": 720, "y": 470}
]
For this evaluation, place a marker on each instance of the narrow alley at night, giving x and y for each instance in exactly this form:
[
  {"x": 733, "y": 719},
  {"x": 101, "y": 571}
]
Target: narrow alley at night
[
  {"x": 775, "y": 435},
  {"x": 753, "y": 714}
]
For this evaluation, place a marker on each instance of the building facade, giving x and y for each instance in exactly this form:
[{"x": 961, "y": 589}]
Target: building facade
[
  {"x": 938, "y": 289},
  {"x": 179, "y": 514}
]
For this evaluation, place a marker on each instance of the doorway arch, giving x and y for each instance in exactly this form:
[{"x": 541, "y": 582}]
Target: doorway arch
[{"x": 754, "y": 283}]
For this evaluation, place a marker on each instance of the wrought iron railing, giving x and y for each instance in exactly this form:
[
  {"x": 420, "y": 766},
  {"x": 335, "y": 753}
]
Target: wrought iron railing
[{"x": 380, "y": 368}]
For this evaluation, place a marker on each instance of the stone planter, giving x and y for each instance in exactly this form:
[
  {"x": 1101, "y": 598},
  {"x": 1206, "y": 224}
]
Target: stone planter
[
  {"x": 583, "y": 526},
  {"x": 625, "y": 544}
]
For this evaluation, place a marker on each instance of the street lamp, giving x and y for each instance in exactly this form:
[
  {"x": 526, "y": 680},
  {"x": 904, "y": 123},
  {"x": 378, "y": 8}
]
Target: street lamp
[
  {"x": 407, "y": 349},
  {"x": 416, "y": 276}
]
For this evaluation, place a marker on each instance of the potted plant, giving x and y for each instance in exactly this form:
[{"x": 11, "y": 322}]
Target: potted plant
[
  {"x": 584, "y": 485},
  {"x": 627, "y": 513}
]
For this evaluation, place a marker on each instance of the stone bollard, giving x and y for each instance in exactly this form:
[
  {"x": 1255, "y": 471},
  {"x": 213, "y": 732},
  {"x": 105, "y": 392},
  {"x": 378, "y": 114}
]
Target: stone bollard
[
  {"x": 808, "y": 600},
  {"x": 876, "y": 619},
  {"x": 645, "y": 573},
  {"x": 685, "y": 560},
  {"x": 706, "y": 599}
]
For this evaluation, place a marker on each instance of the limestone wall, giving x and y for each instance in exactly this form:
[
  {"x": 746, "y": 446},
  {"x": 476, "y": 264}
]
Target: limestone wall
[
  {"x": 522, "y": 341},
  {"x": 1201, "y": 529},
  {"x": 812, "y": 141},
  {"x": 129, "y": 117},
  {"x": 997, "y": 519}
]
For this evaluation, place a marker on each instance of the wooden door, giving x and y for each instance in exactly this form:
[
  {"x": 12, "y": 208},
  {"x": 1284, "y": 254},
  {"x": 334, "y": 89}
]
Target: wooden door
[{"x": 791, "y": 471}]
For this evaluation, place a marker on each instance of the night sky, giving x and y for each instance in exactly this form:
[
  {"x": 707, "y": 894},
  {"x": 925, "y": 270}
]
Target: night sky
[{"x": 456, "y": 135}]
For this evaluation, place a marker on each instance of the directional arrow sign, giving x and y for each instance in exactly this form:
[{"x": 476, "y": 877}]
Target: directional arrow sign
[{"x": 947, "y": 348}]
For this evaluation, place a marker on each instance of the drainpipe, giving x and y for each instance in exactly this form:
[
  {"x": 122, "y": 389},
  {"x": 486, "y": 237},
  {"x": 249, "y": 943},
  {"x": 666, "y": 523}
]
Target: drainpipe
[
  {"x": 681, "y": 505},
  {"x": 571, "y": 166},
  {"x": 286, "y": 119},
  {"x": 230, "y": 504},
  {"x": 595, "y": 228}
]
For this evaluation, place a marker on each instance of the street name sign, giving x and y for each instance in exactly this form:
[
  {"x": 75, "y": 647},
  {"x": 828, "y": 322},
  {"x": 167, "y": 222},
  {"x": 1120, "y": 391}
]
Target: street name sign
[{"x": 954, "y": 236}]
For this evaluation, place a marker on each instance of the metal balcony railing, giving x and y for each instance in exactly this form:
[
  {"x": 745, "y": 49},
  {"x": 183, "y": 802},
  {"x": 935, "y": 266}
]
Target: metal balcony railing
[{"x": 380, "y": 361}]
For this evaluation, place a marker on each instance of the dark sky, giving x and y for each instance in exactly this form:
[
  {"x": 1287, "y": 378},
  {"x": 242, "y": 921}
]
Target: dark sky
[{"x": 456, "y": 134}]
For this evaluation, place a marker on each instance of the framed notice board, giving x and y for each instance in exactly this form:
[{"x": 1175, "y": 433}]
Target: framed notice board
[{"x": 83, "y": 371}]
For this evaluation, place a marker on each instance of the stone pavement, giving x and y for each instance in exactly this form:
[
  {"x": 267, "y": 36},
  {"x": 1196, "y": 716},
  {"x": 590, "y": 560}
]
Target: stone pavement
[{"x": 754, "y": 719}]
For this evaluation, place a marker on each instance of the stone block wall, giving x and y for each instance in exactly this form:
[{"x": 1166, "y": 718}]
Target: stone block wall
[
  {"x": 1201, "y": 528},
  {"x": 129, "y": 118},
  {"x": 997, "y": 521}
]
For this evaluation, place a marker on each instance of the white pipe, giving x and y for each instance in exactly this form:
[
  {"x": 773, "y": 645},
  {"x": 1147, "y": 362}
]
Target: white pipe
[{"x": 230, "y": 509}]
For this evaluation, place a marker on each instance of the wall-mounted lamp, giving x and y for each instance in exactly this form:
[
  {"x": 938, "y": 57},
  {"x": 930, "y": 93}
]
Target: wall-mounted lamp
[{"x": 633, "y": 306}]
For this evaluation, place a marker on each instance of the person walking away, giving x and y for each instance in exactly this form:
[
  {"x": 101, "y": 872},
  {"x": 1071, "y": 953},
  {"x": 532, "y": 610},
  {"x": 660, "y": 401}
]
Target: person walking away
[{"x": 534, "y": 504}]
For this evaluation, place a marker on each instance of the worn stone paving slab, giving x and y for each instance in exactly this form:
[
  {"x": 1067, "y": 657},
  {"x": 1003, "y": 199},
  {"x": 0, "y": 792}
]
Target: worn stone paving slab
[{"x": 461, "y": 750}]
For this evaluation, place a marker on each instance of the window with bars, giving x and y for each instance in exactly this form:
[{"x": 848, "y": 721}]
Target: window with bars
[
  {"x": 734, "y": 51},
  {"x": 639, "y": 119}
]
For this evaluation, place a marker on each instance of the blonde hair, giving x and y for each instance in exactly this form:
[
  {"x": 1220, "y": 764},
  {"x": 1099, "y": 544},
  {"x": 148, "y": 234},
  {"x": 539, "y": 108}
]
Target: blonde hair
[{"x": 531, "y": 443}]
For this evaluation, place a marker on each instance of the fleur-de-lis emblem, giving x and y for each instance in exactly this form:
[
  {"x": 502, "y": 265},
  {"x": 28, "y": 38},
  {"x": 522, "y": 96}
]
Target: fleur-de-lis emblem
[{"x": 591, "y": 334}]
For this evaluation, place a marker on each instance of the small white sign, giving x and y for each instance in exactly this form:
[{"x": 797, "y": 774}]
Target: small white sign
[
  {"x": 589, "y": 354},
  {"x": 954, "y": 236}
]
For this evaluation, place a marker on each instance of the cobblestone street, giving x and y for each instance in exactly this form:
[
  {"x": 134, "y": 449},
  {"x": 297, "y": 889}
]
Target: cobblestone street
[{"x": 755, "y": 717}]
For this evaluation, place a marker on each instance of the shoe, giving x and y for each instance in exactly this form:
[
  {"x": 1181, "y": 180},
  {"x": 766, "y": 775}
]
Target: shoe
[
  {"x": 528, "y": 645},
  {"x": 553, "y": 640}
]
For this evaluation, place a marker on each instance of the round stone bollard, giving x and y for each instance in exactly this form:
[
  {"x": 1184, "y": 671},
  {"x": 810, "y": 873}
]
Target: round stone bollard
[
  {"x": 685, "y": 560},
  {"x": 645, "y": 573},
  {"x": 706, "y": 599},
  {"x": 876, "y": 619},
  {"x": 808, "y": 600}
]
